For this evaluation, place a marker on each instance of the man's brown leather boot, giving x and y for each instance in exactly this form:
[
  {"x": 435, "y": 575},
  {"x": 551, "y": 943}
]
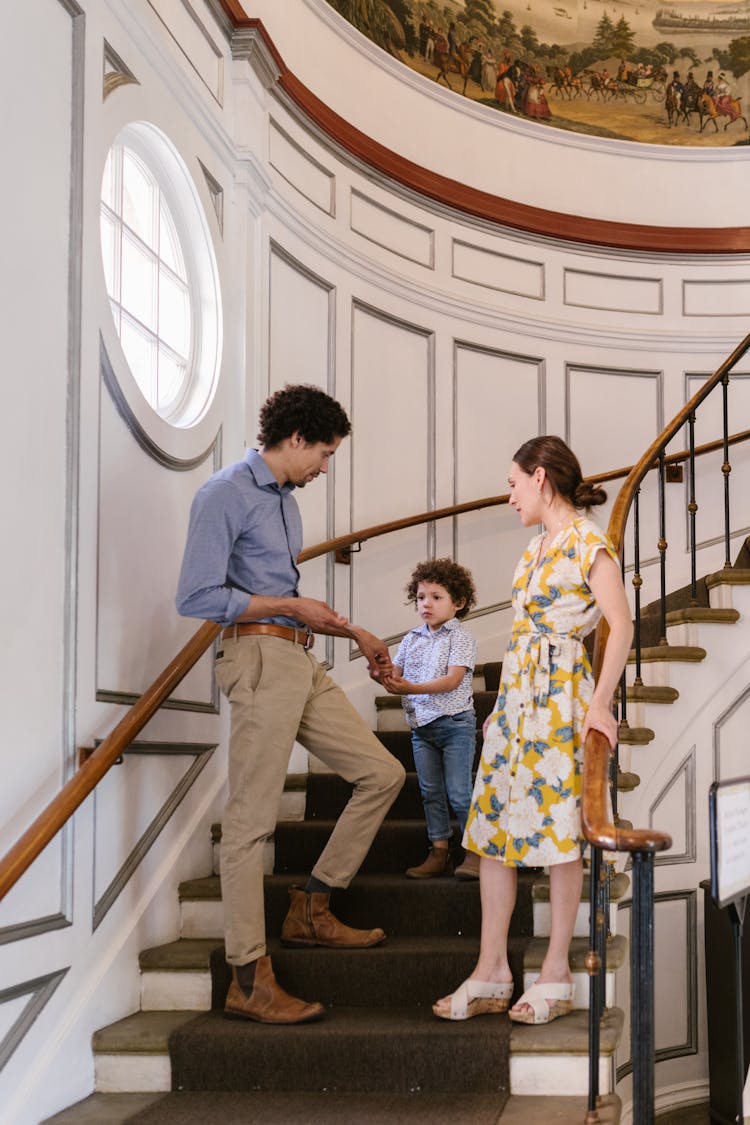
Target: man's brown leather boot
[
  {"x": 438, "y": 863},
  {"x": 267, "y": 1003},
  {"x": 310, "y": 922}
]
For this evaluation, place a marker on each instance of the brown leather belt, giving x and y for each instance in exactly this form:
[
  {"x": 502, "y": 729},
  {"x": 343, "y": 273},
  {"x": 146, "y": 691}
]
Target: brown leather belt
[{"x": 265, "y": 628}]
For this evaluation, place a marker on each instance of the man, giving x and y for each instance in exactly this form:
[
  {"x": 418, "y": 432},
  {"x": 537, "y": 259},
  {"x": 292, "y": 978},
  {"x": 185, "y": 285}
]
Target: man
[{"x": 240, "y": 569}]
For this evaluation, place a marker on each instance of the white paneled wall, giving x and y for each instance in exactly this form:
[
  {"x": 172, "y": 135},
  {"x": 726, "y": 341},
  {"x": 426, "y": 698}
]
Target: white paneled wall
[{"x": 448, "y": 340}]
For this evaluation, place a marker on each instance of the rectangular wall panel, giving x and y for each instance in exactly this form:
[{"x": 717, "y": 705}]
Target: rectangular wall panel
[
  {"x": 511, "y": 390},
  {"x": 613, "y": 293},
  {"x": 392, "y": 231},
  {"x": 392, "y": 462},
  {"x": 309, "y": 178},
  {"x": 716, "y": 298},
  {"x": 498, "y": 271},
  {"x": 143, "y": 519},
  {"x": 301, "y": 331},
  {"x": 41, "y": 59},
  {"x": 595, "y": 399},
  {"x": 195, "y": 41}
]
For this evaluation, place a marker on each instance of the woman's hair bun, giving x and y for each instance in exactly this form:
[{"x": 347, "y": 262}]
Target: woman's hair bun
[{"x": 589, "y": 495}]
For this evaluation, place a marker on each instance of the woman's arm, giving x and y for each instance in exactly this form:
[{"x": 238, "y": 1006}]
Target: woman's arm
[{"x": 606, "y": 585}]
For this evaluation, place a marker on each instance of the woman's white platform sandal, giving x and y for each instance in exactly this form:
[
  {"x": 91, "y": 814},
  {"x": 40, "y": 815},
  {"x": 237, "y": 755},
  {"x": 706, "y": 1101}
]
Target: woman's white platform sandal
[
  {"x": 476, "y": 998},
  {"x": 547, "y": 1002}
]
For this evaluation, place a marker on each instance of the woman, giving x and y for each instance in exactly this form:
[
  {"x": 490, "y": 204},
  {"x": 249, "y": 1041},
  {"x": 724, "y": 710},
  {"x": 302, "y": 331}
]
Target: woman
[{"x": 525, "y": 810}]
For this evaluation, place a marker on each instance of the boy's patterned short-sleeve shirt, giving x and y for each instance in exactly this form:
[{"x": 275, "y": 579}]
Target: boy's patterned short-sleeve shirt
[
  {"x": 424, "y": 656},
  {"x": 525, "y": 811}
]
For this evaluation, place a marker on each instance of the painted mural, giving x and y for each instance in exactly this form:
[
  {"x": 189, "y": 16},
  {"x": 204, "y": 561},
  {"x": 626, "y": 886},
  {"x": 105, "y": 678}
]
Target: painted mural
[{"x": 637, "y": 70}]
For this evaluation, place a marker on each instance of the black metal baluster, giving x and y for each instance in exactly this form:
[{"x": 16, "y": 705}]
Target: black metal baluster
[
  {"x": 692, "y": 509},
  {"x": 642, "y": 988},
  {"x": 593, "y": 965},
  {"x": 662, "y": 545},
  {"x": 726, "y": 468},
  {"x": 637, "y": 583}
]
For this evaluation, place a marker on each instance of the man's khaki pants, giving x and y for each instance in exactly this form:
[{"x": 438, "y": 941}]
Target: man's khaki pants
[{"x": 278, "y": 692}]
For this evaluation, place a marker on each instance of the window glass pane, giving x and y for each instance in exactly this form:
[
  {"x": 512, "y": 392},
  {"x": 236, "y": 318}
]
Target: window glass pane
[
  {"x": 171, "y": 381},
  {"x": 109, "y": 195},
  {"x": 169, "y": 245},
  {"x": 138, "y": 282},
  {"x": 110, "y": 234},
  {"x": 140, "y": 352},
  {"x": 174, "y": 314},
  {"x": 139, "y": 198}
]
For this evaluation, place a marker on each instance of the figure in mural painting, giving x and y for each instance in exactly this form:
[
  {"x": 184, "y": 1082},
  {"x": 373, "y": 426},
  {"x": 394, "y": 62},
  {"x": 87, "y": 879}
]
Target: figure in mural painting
[{"x": 607, "y": 64}]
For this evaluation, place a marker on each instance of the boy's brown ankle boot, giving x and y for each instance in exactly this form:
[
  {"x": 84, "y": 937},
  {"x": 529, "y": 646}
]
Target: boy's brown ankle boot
[{"x": 438, "y": 862}]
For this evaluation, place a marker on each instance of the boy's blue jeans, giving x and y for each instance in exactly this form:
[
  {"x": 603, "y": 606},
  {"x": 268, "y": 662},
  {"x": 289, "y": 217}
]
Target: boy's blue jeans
[{"x": 444, "y": 756}]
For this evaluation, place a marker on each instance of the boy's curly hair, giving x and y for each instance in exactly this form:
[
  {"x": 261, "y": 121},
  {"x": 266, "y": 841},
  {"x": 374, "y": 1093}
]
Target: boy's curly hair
[
  {"x": 305, "y": 410},
  {"x": 456, "y": 579}
]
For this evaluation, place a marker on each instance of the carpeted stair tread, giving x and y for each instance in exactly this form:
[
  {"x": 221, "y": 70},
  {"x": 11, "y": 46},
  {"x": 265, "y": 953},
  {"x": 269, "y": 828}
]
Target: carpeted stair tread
[
  {"x": 619, "y": 885},
  {"x": 220, "y": 1108},
  {"x": 399, "y": 844},
  {"x": 327, "y": 794},
  {"x": 352, "y": 1050},
  {"x": 536, "y": 948},
  {"x": 399, "y": 905},
  {"x": 142, "y": 1033},
  {"x": 105, "y": 1109},
  {"x": 566, "y": 1036},
  {"x": 186, "y": 955},
  {"x": 413, "y": 971}
]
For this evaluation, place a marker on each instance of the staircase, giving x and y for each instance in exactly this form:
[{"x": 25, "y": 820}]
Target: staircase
[{"x": 380, "y": 1054}]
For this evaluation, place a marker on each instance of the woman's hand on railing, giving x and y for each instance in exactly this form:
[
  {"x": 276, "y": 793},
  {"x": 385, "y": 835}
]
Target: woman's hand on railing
[{"x": 599, "y": 717}]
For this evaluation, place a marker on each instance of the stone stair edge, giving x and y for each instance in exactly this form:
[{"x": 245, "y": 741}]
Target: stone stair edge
[
  {"x": 536, "y": 948},
  {"x": 567, "y": 1035},
  {"x": 618, "y": 887},
  {"x": 685, "y": 654}
]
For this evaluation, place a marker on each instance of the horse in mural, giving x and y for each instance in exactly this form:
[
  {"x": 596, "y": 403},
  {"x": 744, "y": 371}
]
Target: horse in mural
[
  {"x": 458, "y": 63},
  {"x": 563, "y": 83},
  {"x": 709, "y": 109},
  {"x": 676, "y": 107}
]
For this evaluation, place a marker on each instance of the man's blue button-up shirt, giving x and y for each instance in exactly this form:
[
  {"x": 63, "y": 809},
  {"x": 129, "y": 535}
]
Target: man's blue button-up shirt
[{"x": 244, "y": 537}]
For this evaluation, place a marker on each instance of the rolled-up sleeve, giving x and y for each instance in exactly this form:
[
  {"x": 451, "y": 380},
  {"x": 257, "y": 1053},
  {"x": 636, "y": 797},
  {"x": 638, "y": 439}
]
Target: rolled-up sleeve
[{"x": 216, "y": 521}]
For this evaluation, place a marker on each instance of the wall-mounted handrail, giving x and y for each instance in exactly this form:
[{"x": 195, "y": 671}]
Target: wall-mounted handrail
[{"x": 49, "y": 822}]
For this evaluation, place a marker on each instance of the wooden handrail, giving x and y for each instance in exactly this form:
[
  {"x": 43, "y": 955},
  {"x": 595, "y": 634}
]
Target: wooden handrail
[
  {"x": 596, "y": 806},
  {"x": 81, "y": 784},
  {"x": 77, "y": 789}
]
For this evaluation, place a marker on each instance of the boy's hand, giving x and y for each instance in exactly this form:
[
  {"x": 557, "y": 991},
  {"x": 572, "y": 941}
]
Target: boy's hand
[{"x": 397, "y": 685}]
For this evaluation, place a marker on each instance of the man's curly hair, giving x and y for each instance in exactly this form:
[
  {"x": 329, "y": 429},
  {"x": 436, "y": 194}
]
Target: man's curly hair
[
  {"x": 456, "y": 579},
  {"x": 305, "y": 410}
]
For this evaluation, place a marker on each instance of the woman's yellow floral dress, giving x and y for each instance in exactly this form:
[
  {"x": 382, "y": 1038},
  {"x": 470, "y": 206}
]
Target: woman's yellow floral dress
[{"x": 525, "y": 811}]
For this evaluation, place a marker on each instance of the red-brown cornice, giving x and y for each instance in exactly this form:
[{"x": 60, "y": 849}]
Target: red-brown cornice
[{"x": 482, "y": 204}]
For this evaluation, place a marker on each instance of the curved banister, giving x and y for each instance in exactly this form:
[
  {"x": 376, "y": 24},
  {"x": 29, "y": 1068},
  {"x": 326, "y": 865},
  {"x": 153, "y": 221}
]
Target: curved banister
[
  {"x": 597, "y": 820},
  {"x": 597, "y": 823}
]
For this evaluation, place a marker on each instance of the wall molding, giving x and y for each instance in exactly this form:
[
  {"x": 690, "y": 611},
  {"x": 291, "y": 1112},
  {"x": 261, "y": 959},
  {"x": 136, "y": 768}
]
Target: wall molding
[
  {"x": 685, "y": 769},
  {"x": 202, "y": 753},
  {"x": 40, "y": 992}
]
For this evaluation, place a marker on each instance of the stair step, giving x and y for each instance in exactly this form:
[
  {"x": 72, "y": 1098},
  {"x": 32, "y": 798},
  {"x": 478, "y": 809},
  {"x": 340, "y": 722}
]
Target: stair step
[
  {"x": 643, "y": 693},
  {"x": 617, "y": 951},
  {"x": 684, "y": 654},
  {"x": 327, "y": 794},
  {"x": 401, "y": 906},
  {"x": 635, "y": 736},
  {"x": 403, "y": 972},
  {"x": 702, "y": 615},
  {"x": 552, "y": 1058},
  {"x": 135, "y": 1050},
  {"x": 399, "y": 844},
  {"x": 353, "y": 1050},
  {"x": 391, "y": 713},
  {"x": 188, "y": 1107},
  {"x": 618, "y": 887},
  {"x": 132, "y": 1054}
]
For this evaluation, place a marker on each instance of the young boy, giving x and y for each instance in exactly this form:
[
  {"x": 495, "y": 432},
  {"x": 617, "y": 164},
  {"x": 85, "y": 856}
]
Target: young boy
[{"x": 433, "y": 670}]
